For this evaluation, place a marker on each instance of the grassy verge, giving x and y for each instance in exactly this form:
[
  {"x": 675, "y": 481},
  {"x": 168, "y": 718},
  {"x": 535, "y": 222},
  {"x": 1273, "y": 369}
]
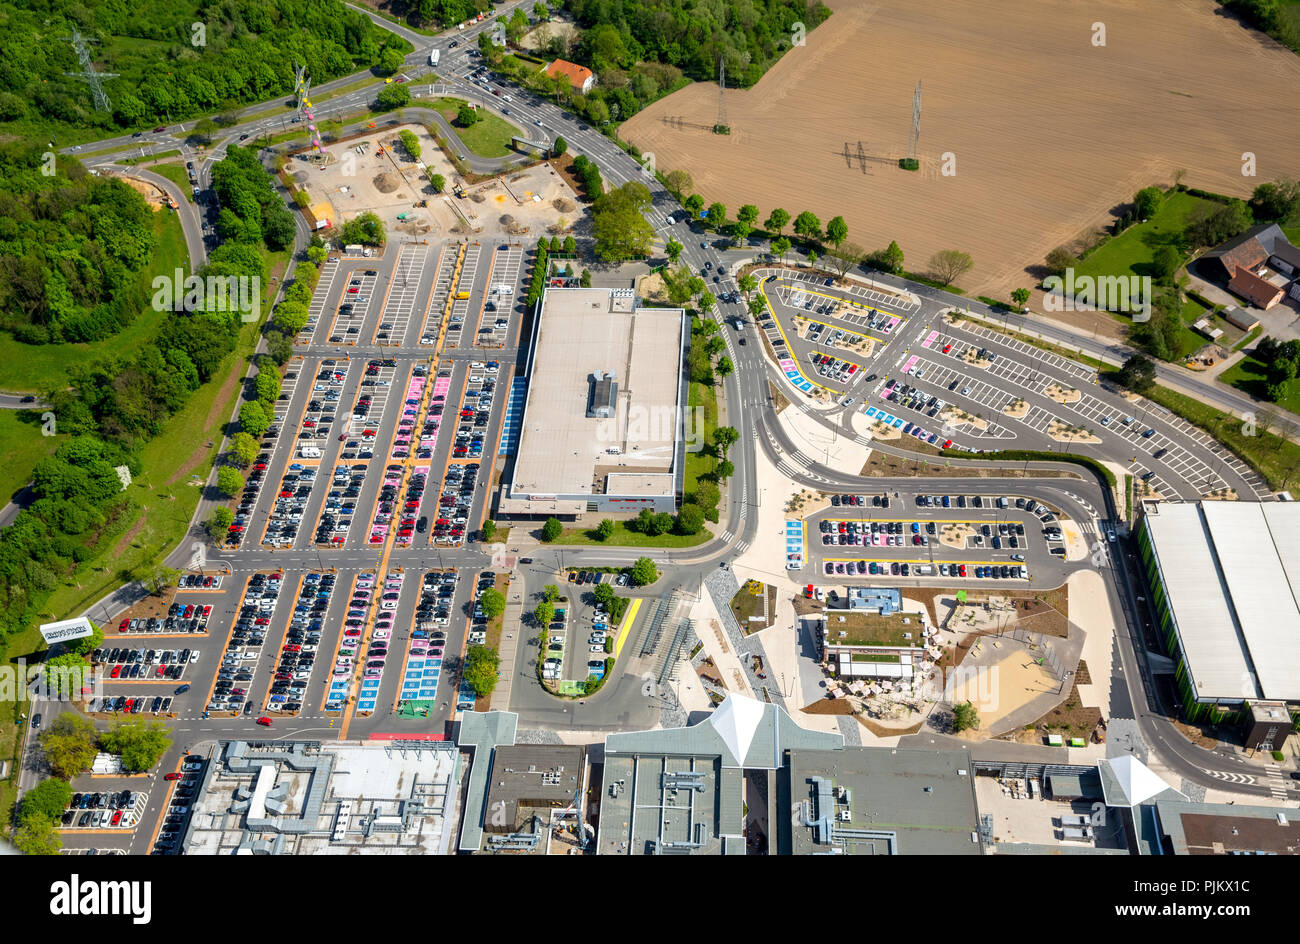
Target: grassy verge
[
  {"x": 1276, "y": 459},
  {"x": 41, "y": 367},
  {"x": 624, "y": 537},
  {"x": 1249, "y": 339},
  {"x": 22, "y": 445},
  {"x": 177, "y": 174},
  {"x": 1031, "y": 455},
  {"x": 704, "y": 398},
  {"x": 287, "y": 110}
]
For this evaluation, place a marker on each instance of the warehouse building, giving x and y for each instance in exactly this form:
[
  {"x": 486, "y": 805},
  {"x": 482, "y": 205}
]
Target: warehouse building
[
  {"x": 602, "y": 426},
  {"x": 1224, "y": 580}
]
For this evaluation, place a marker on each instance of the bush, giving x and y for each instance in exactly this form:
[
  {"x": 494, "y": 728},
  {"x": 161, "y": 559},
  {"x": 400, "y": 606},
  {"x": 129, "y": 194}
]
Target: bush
[
  {"x": 488, "y": 530},
  {"x": 47, "y": 799},
  {"x": 605, "y": 530},
  {"x": 644, "y": 572},
  {"x": 552, "y": 530},
  {"x": 690, "y": 519},
  {"x": 141, "y": 744},
  {"x": 964, "y": 717}
]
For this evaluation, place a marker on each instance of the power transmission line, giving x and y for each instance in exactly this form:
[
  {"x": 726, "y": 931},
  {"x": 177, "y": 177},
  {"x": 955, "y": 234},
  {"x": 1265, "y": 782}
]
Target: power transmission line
[{"x": 88, "y": 74}]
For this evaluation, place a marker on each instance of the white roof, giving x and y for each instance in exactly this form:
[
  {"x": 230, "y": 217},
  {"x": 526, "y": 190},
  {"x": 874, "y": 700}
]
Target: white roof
[
  {"x": 736, "y": 720},
  {"x": 1232, "y": 576}
]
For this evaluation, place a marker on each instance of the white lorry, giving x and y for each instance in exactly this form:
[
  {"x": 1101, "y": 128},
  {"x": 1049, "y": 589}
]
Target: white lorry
[{"x": 434, "y": 54}]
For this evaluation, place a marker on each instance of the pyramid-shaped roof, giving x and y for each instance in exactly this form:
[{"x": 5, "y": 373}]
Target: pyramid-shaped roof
[{"x": 737, "y": 720}]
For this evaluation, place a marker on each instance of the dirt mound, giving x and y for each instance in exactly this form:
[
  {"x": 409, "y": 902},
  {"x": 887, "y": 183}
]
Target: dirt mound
[
  {"x": 564, "y": 204},
  {"x": 387, "y": 182}
]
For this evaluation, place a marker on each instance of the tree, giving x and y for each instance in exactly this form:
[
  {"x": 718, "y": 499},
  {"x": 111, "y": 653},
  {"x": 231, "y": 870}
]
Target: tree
[
  {"x": 141, "y": 744},
  {"x": 390, "y": 60},
  {"x": 1210, "y": 225},
  {"x": 438, "y": 182},
  {"x": 837, "y": 231},
  {"x": 480, "y": 669},
  {"x": 266, "y": 384},
  {"x": 493, "y": 602},
  {"x": 48, "y": 799},
  {"x": 780, "y": 246},
  {"x": 948, "y": 265},
  {"x": 551, "y": 530},
  {"x": 253, "y": 419},
  {"x": 708, "y": 301},
  {"x": 1147, "y": 201},
  {"x": 964, "y": 717},
  {"x": 845, "y": 257},
  {"x": 392, "y": 96},
  {"x": 218, "y": 523},
  {"x": 88, "y": 644},
  {"x": 747, "y": 283},
  {"x": 716, "y": 216},
  {"x": 748, "y": 214},
  {"x": 69, "y": 745},
  {"x": 1276, "y": 201},
  {"x": 892, "y": 257},
  {"x": 229, "y": 481},
  {"x": 544, "y": 613},
  {"x": 757, "y": 306},
  {"x": 673, "y": 249},
  {"x": 1060, "y": 259},
  {"x": 487, "y": 531},
  {"x": 243, "y": 449},
  {"x": 559, "y": 147},
  {"x": 1020, "y": 296},
  {"x": 723, "y": 470},
  {"x": 1166, "y": 263},
  {"x": 466, "y": 117},
  {"x": 37, "y": 836},
  {"x": 644, "y": 572},
  {"x": 364, "y": 228},
  {"x": 605, "y": 530},
  {"x": 723, "y": 439},
  {"x": 776, "y": 221},
  {"x": 725, "y": 367},
  {"x": 807, "y": 225},
  {"x": 690, "y": 519},
  {"x": 678, "y": 182},
  {"x": 1137, "y": 374},
  {"x": 619, "y": 224}
]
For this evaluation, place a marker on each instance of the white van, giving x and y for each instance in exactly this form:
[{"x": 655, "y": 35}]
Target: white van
[{"x": 309, "y": 452}]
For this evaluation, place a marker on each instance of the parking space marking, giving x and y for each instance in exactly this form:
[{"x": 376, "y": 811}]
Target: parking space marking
[
  {"x": 403, "y": 292},
  {"x": 441, "y": 291},
  {"x": 318, "y": 299}
]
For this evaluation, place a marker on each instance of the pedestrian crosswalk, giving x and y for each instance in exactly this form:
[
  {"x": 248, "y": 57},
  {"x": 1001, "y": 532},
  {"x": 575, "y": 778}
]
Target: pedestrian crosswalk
[
  {"x": 730, "y": 538},
  {"x": 1088, "y": 527},
  {"x": 1275, "y": 782}
]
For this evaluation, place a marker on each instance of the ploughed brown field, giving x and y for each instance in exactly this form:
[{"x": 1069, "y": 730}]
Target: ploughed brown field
[{"x": 1049, "y": 133}]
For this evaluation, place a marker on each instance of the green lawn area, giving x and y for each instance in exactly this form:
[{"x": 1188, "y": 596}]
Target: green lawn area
[
  {"x": 488, "y": 137},
  {"x": 41, "y": 367},
  {"x": 152, "y": 157},
  {"x": 177, "y": 174},
  {"x": 700, "y": 462},
  {"x": 22, "y": 445},
  {"x": 1275, "y": 458},
  {"x": 1133, "y": 251},
  {"x": 622, "y": 537},
  {"x": 1250, "y": 376},
  {"x": 871, "y": 629}
]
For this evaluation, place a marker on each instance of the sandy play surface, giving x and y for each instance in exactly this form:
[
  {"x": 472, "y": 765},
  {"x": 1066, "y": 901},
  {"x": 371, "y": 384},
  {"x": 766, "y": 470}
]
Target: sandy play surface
[{"x": 1048, "y": 132}]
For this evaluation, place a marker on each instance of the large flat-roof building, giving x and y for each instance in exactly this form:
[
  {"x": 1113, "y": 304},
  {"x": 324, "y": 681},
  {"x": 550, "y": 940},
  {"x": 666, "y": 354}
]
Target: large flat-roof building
[
  {"x": 1225, "y": 584},
  {"x": 325, "y": 798},
  {"x": 602, "y": 427}
]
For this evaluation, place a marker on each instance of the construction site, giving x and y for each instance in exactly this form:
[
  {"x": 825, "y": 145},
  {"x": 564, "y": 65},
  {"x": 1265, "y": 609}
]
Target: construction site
[{"x": 373, "y": 172}]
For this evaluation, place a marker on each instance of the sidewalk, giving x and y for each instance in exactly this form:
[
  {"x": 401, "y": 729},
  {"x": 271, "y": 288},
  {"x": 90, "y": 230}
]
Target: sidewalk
[{"x": 512, "y": 633}]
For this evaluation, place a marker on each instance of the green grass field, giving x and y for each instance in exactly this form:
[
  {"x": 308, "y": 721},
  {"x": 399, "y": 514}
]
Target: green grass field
[
  {"x": 1133, "y": 251},
  {"x": 22, "y": 445},
  {"x": 42, "y": 367},
  {"x": 176, "y": 173},
  {"x": 698, "y": 463},
  {"x": 622, "y": 537},
  {"x": 488, "y": 137},
  {"x": 1250, "y": 376}
]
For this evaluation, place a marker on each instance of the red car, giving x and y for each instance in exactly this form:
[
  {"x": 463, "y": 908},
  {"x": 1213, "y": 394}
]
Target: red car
[
  {"x": 121, "y": 627},
  {"x": 117, "y": 670},
  {"x": 117, "y": 818},
  {"x": 264, "y": 722},
  {"x": 292, "y": 648},
  {"x": 174, "y": 775}
]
